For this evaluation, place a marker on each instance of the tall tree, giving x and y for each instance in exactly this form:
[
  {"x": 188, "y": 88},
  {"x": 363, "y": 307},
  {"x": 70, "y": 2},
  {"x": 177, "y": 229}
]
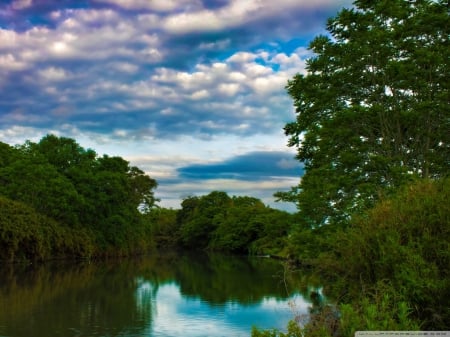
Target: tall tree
[{"x": 372, "y": 110}]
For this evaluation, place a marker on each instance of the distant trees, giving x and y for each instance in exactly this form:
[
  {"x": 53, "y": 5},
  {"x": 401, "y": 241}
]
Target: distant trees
[
  {"x": 59, "y": 189},
  {"x": 238, "y": 224},
  {"x": 372, "y": 111}
]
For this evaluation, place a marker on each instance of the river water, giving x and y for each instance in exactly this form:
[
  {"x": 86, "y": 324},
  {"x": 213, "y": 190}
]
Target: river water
[{"x": 165, "y": 295}]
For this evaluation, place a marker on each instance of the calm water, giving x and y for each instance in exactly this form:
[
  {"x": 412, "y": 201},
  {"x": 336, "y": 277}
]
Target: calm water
[{"x": 167, "y": 295}]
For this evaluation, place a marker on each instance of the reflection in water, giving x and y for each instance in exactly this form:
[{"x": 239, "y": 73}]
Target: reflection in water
[
  {"x": 88, "y": 300},
  {"x": 167, "y": 295},
  {"x": 177, "y": 316}
]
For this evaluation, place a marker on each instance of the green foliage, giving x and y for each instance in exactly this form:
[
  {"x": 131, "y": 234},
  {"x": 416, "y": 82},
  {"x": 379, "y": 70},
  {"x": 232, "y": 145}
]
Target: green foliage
[
  {"x": 32, "y": 180},
  {"x": 105, "y": 196},
  {"x": 382, "y": 314},
  {"x": 388, "y": 269},
  {"x": 115, "y": 204},
  {"x": 237, "y": 224},
  {"x": 293, "y": 330},
  {"x": 403, "y": 244},
  {"x": 372, "y": 111},
  {"x": 161, "y": 225},
  {"x": 28, "y": 235},
  {"x": 372, "y": 119},
  {"x": 305, "y": 244}
]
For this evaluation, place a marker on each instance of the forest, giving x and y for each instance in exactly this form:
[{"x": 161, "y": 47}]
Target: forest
[
  {"x": 58, "y": 199},
  {"x": 372, "y": 224}
]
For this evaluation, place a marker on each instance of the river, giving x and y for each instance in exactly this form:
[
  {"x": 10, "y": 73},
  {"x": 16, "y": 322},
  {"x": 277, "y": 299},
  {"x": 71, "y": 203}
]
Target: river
[{"x": 162, "y": 295}]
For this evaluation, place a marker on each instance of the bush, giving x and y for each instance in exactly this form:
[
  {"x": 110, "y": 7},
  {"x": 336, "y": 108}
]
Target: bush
[
  {"x": 28, "y": 235},
  {"x": 402, "y": 243}
]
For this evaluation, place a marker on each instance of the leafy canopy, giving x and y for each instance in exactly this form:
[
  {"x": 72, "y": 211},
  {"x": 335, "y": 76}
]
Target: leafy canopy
[
  {"x": 238, "y": 224},
  {"x": 79, "y": 189},
  {"x": 372, "y": 110}
]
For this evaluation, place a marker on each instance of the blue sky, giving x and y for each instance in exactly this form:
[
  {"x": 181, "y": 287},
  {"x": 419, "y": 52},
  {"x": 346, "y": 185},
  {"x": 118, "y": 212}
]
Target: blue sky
[{"x": 190, "y": 91}]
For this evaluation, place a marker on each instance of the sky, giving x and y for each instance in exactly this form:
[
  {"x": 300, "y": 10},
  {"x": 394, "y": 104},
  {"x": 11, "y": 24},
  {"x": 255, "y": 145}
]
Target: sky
[{"x": 190, "y": 91}]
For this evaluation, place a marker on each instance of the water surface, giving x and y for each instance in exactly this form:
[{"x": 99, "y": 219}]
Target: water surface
[{"x": 162, "y": 295}]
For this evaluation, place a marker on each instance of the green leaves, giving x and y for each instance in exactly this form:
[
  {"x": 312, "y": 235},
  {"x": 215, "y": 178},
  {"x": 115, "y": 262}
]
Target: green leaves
[
  {"x": 27, "y": 235},
  {"x": 403, "y": 243},
  {"x": 372, "y": 110},
  {"x": 237, "y": 224},
  {"x": 72, "y": 185}
]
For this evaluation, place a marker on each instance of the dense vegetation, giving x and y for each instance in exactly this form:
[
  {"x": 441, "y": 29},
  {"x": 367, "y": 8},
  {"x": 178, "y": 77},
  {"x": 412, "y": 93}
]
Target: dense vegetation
[
  {"x": 62, "y": 193},
  {"x": 372, "y": 111},
  {"x": 387, "y": 270},
  {"x": 28, "y": 235},
  {"x": 58, "y": 199},
  {"x": 218, "y": 222},
  {"x": 372, "y": 130}
]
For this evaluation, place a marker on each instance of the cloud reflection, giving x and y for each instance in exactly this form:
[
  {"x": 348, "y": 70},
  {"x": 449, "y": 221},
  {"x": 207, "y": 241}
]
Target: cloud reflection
[{"x": 178, "y": 315}]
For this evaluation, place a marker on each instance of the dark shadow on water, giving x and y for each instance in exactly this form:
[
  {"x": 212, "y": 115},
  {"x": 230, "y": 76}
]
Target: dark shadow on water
[{"x": 108, "y": 298}]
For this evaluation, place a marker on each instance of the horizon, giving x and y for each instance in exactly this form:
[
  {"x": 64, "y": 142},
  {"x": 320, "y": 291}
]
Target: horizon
[{"x": 192, "y": 92}]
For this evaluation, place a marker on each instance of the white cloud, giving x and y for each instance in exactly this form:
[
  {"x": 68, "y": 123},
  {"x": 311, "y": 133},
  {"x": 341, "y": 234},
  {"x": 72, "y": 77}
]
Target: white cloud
[
  {"x": 200, "y": 94},
  {"x": 242, "y": 57},
  {"x": 237, "y": 76},
  {"x": 236, "y": 12},
  {"x": 8, "y": 38},
  {"x": 9, "y": 62},
  {"x": 266, "y": 85},
  {"x": 18, "y": 134},
  {"x": 208, "y": 20},
  {"x": 218, "y": 45},
  {"x": 96, "y": 16},
  {"x": 157, "y": 5},
  {"x": 53, "y": 74},
  {"x": 136, "y": 83},
  {"x": 120, "y": 133},
  {"x": 241, "y": 75},
  {"x": 193, "y": 22},
  {"x": 21, "y": 4},
  {"x": 125, "y": 67},
  {"x": 148, "y": 20},
  {"x": 256, "y": 70},
  {"x": 83, "y": 34},
  {"x": 228, "y": 89}
]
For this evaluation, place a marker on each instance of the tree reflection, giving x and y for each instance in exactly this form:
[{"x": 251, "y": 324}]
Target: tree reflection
[
  {"x": 218, "y": 278},
  {"x": 117, "y": 298},
  {"x": 81, "y": 300}
]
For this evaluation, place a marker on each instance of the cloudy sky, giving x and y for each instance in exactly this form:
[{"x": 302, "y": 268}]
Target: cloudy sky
[{"x": 190, "y": 91}]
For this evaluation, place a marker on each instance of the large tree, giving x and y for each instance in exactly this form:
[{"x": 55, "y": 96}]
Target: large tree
[{"x": 372, "y": 109}]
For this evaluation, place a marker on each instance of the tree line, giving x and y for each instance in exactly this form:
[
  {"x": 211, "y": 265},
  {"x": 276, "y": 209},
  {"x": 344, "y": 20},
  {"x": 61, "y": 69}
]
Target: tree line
[
  {"x": 372, "y": 130},
  {"x": 218, "y": 222},
  {"x": 58, "y": 199}
]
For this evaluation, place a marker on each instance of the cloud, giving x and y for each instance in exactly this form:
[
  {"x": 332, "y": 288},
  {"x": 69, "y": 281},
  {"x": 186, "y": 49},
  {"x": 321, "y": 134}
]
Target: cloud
[
  {"x": 53, "y": 74},
  {"x": 21, "y": 4},
  {"x": 187, "y": 88},
  {"x": 171, "y": 192},
  {"x": 254, "y": 166},
  {"x": 234, "y": 14},
  {"x": 229, "y": 91},
  {"x": 156, "y": 5},
  {"x": 9, "y": 63}
]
